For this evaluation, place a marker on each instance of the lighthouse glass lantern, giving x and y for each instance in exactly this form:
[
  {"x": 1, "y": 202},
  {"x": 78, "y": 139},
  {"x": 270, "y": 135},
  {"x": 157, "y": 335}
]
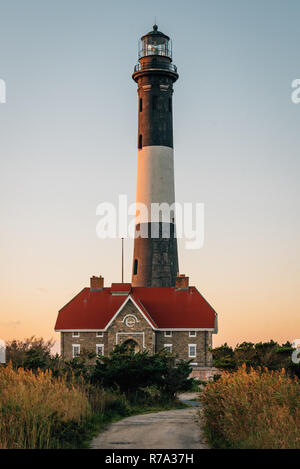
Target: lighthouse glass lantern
[{"x": 155, "y": 43}]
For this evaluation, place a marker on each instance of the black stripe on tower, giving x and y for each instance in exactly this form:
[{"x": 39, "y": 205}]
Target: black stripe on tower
[
  {"x": 155, "y": 261},
  {"x": 155, "y": 119},
  {"x": 155, "y": 80}
]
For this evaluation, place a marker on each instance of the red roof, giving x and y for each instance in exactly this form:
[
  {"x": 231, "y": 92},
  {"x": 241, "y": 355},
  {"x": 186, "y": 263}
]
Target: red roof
[
  {"x": 164, "y": 307},
  {"x": 120, "y": 287}
]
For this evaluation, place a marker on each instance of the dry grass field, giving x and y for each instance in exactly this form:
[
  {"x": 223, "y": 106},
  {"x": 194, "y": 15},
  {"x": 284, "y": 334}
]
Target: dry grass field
[{"x": 252, "y": 409}]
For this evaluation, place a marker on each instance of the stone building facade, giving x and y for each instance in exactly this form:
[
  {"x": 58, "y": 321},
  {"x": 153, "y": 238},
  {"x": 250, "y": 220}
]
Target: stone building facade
[{"x": 178, "y": 319}]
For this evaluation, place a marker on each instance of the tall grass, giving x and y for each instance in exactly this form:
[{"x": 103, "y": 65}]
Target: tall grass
[
  {"x": 35, "y": 407},
  {"x": 255, "y": 409}
]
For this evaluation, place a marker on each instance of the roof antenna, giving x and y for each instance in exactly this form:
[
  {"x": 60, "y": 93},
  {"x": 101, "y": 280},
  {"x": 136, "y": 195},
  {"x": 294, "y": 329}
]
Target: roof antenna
[{"x": 122, "y": 260}]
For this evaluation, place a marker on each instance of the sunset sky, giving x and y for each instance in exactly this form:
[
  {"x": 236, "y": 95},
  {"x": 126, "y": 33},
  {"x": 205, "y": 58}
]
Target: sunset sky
[{"x": 68, "y": 137}]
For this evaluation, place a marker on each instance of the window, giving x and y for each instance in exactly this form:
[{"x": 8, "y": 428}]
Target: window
[
  {"x": 99, "y": 334},
  {"x": 170, "y": 104},
  {"x": 135, "y": 267},
  {"x": 168, "y": 333},
  {"x": 141, "y": 105},
  {"x": 75, "y": 334},
  {"x": 99, "y": 349},
  {"x": 75, "y": 350},
  {"x": 168, "y": 347},
  {"x": 192, "y": 351},
  {"x": 192, "y": 334},
  {"x": 140, "y": 141},
  {"x": 154, "y": 102}
]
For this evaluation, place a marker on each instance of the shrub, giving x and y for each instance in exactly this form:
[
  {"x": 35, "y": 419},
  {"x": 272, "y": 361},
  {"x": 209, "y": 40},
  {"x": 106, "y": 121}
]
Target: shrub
[
  {"x": 256, "y": 409},
  {"x": 263, "y": 354},
  {"x": 175, "y": 378},
  {"x": 31, "y": 353},
  {"x": 132, "y": 372}
]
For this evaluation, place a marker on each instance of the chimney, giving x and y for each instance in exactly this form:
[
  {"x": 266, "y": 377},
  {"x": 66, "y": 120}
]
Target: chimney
[
  {"x": 97, "y": 283},
  {"x": 182, "y": 282}
]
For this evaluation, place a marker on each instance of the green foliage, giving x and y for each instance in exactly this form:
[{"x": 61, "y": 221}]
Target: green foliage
[
  {"x": 31, "y": 353},
  {"x": 117, "y": 386},
  {"x": 263, "y": 354},
  {"x": 175, "y": 378},
  {"x": 131, "y": 372}
]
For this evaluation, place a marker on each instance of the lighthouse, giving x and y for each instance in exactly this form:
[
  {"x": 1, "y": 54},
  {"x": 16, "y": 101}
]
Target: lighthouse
[
  {"x": 159, "y": 310},
  {"x": 155, "y": 257}
]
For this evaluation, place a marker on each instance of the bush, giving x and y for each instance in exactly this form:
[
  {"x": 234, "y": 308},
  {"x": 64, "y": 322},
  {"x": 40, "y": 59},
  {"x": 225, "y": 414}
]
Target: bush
[
  {"x": 256, "y": 409},
  {"x": 131, "y": 372},
  {"x": 31, "y": 353},
  {"x": 263, "y": 354}
]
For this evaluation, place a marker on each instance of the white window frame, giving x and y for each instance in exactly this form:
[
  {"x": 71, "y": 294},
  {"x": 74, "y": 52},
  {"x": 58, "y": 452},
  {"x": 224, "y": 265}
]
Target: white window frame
[
  {"x": 99, "y": 334},
  {"x": 73, "y": 350},
  {"x": 168, "y": 347},
  {"x": 102, "y": 350},
  {"x": 75, "y": 334},
  {"x": 168, "y": 334},
  {"x": 193, "y": 334},
  {"x": 192, "y": 345}
]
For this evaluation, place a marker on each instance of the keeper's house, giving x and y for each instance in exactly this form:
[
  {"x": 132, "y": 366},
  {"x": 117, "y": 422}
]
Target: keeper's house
[{"x": 176, "y": 318}]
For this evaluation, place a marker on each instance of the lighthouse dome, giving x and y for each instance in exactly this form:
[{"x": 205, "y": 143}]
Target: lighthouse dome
[{"x": 155, "y": 43}]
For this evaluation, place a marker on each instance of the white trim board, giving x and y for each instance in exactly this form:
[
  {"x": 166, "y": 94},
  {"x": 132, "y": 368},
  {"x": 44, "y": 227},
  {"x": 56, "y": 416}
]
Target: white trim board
[{"x": 122, "y": 306}]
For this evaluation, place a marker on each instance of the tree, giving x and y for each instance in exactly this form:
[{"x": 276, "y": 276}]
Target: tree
[
  {"x": 31, "y": 353},
  {"x": 270, "y": 355},
  {"x": 131, "y": 372},
  {"x": 175, "y": 378}
]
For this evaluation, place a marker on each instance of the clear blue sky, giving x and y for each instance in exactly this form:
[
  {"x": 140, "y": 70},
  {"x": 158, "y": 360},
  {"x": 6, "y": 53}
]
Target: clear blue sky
[{"x": 68, "y": 142}]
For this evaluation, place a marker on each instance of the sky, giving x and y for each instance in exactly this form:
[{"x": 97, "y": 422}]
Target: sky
[{"x": 68, "y": 137}]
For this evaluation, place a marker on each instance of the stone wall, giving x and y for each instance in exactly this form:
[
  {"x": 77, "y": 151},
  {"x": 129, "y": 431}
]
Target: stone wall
[
  {"x": 180, "y": 341},
  {"x": 140, "y": 330},
  {"x": 86, "y": 340}
]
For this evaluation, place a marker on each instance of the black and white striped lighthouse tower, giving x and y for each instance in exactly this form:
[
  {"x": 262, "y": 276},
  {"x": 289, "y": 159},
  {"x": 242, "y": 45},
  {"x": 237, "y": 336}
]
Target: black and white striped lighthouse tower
[{"x": 155, "y": 259}]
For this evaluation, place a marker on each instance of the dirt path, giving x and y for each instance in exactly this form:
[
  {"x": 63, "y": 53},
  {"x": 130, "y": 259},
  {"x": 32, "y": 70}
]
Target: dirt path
[{"x": 172, "y": 429}]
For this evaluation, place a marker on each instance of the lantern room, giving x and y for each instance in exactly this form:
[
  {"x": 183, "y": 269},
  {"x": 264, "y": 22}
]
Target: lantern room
[{"x": 155, "y": 43}]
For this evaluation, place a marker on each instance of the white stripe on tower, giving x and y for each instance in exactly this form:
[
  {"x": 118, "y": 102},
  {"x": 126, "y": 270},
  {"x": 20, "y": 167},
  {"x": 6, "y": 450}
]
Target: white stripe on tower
[{"x": 155, "y": 178}]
